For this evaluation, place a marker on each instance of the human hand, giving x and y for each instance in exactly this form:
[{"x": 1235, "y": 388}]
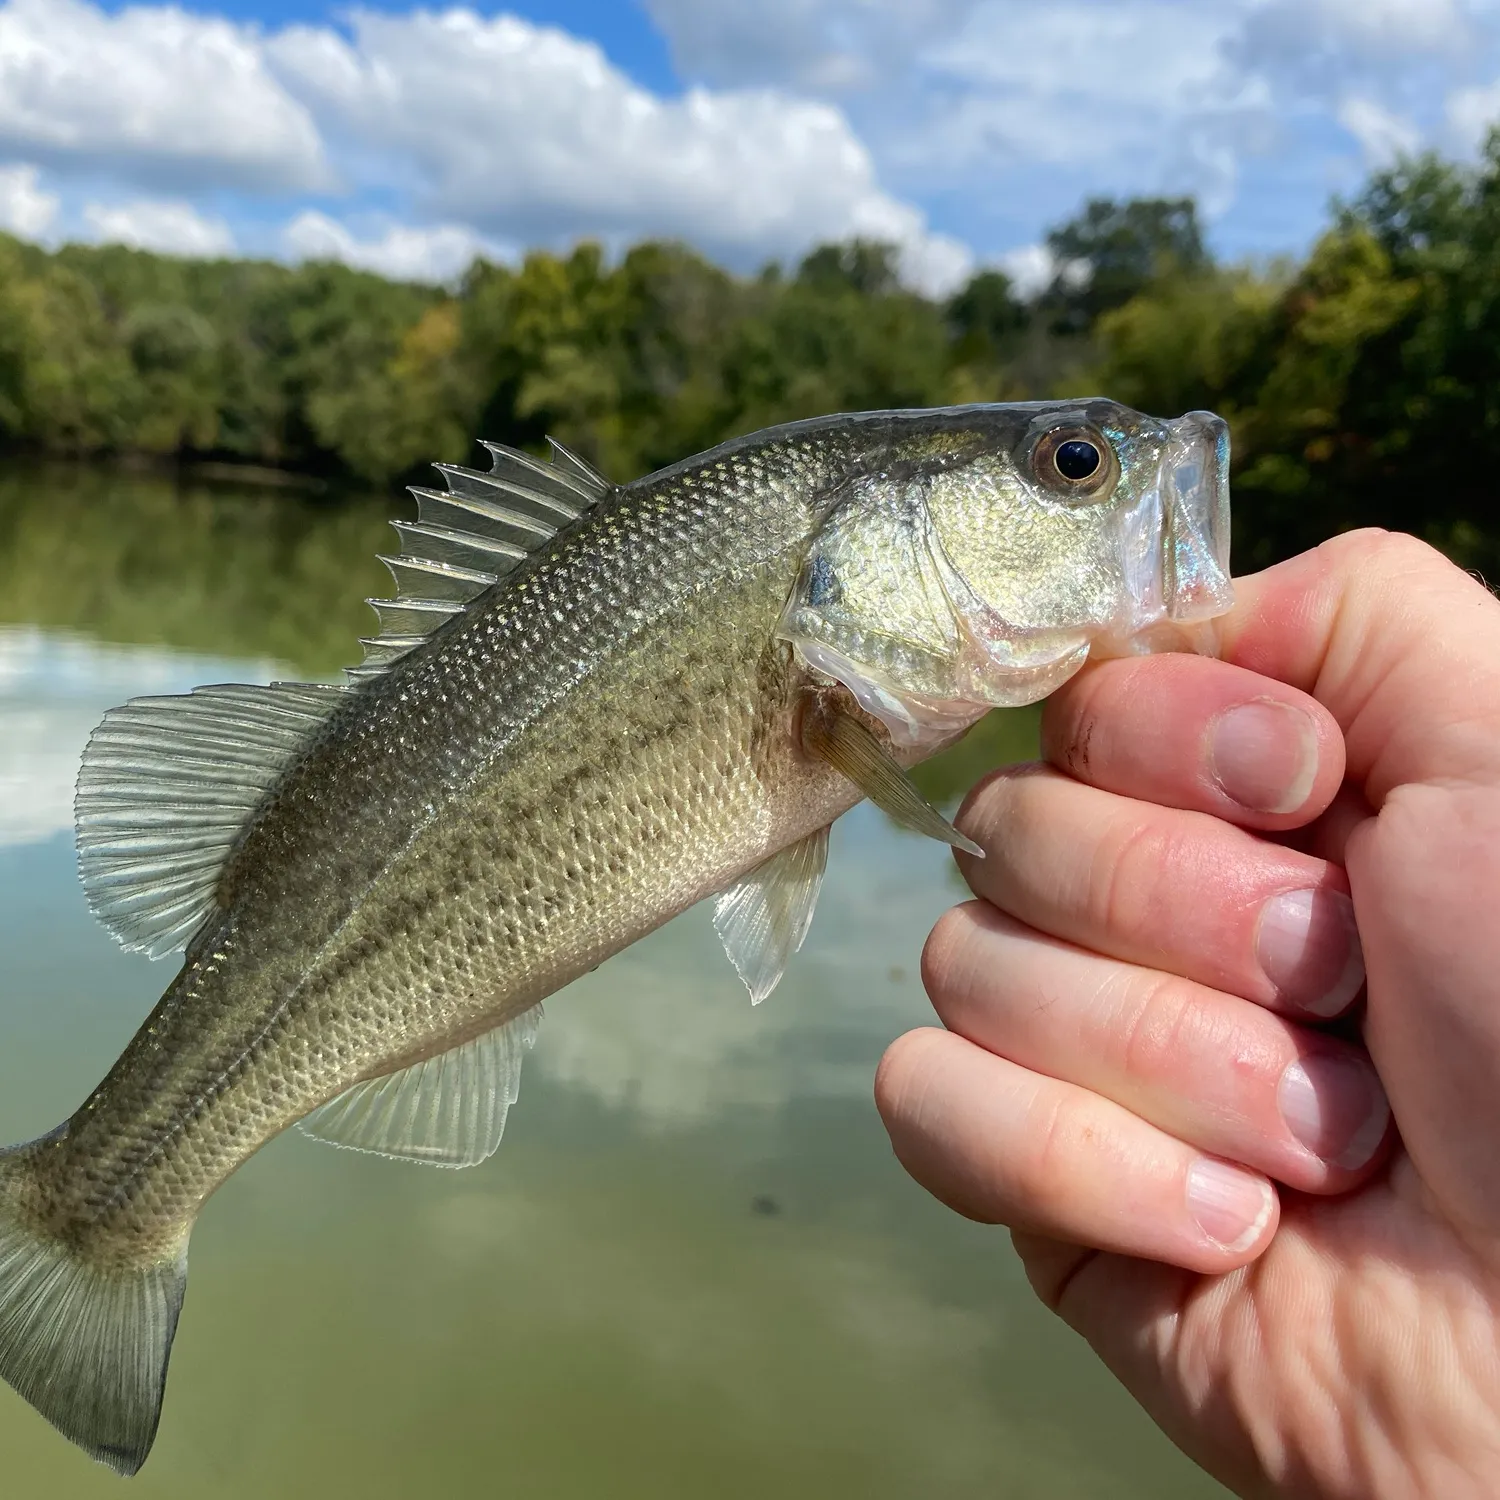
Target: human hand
[{"x": 1139, "y": 1076}]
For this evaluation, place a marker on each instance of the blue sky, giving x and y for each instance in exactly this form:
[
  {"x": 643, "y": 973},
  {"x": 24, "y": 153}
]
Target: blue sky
[{"x": 410, "y": 138}]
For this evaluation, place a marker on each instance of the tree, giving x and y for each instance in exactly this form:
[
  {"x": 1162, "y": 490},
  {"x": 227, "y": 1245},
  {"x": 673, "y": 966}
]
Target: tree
[
  {"x": 986, "y": 318},
  {"x": 1114, "y": 250}
]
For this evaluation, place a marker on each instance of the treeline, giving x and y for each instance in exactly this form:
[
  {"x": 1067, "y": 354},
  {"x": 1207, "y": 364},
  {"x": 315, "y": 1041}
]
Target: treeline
[{"x": 1361, "y": 383}]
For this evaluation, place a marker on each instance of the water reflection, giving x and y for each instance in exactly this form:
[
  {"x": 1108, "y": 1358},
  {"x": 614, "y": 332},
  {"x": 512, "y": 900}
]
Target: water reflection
[{"x": 607, "y": 1307}]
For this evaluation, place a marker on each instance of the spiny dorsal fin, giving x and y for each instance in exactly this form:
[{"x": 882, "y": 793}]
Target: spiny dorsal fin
[
  {"x": 167, "y": 786},
  {"x": 448, "y": 1111},
  {"x": 467, "y": 537},
  {"x": 763, "y": 917},
  {"x": 579, "y": 468}
]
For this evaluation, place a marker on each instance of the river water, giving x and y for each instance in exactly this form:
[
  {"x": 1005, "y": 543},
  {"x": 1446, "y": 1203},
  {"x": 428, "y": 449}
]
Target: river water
[{"x": 693, "y": 1269}]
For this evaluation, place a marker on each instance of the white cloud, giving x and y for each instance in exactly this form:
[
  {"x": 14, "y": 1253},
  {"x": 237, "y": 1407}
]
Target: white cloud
[
  {"x": 1012, "y": 111},
  {"x": 528, "y": 133},
  {"x": 153, "y": 94},
  {"x": 1031, "y": 269},
  {"x": 829, "y": 46},
  {"x": 934, "y": 264},
  {"x": 1382, "y": 134},
  {"x": 171, "y": 228},
  {"x": 1472, "y": 111},
  {"x": 1015, "y": 111},
  {"x": 1036, "y": 84},
  {"x": 401, "y": 252},
  {"x": 1354, "y": 31},
  {"x": 439, "y": 132},
  {"x": 488, "y": 129},
  {"x": 25, "y": 210}
]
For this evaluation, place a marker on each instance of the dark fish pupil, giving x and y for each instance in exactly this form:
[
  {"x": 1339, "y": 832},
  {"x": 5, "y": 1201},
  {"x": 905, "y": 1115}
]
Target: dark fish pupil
[{"x": 1077, "y": 459}]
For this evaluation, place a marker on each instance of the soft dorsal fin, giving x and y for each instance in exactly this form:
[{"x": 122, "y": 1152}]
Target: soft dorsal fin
[
  {"x": 467, "y": 537},
  {"x": 448, "y": 1111},
  {"x": 763, "y": 917},
  {"x": 166, "y": 788}
]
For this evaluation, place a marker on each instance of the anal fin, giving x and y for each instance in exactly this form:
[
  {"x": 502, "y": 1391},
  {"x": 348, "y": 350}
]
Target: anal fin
[
  {"x": 448, "y": 1111},
  {"x": 763, "y": 917}
]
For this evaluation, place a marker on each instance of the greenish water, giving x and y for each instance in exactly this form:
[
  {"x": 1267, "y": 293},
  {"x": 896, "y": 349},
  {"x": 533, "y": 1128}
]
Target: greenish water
[{"x": 694, "y": 1268}]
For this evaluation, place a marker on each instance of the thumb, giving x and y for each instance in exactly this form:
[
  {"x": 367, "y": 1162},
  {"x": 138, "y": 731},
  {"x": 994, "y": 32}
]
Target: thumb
[
  {"x": 1400, "y": 645},
  {"x": 1404, "y": 649}
]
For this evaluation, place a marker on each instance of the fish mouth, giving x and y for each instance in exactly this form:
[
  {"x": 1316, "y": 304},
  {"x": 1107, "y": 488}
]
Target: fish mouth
[{"x": 1196, "y": 582}]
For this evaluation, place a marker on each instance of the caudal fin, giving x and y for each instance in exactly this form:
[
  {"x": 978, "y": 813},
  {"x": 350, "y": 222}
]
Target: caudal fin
[{"x": 87, "y": 1344}]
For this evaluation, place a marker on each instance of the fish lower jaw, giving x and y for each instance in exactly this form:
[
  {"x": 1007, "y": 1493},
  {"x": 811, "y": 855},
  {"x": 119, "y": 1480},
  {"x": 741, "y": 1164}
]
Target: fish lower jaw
[{"x": 1191, "y": 637}]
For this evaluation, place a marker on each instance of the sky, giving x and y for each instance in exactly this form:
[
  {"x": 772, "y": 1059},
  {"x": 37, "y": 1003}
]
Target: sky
[{"x": 409, "y": 138}]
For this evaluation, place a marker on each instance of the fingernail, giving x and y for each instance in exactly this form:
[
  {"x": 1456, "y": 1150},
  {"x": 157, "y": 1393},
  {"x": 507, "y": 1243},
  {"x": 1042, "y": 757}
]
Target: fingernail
[
  {"x": 1335, "y": 1107},
  {"x": 1230, "y": 1206},
  {"x": 1264, "y": 755},
  {"x": 1307, "y": 945}
]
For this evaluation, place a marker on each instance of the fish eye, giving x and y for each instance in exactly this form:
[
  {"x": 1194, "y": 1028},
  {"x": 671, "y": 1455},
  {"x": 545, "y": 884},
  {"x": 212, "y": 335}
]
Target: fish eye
[
  {"x": 1077, "y": 459},
  {"x": 1077, "y": 463}
]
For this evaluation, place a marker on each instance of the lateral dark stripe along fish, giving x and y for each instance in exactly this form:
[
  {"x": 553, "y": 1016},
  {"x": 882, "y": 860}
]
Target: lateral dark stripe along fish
[{"x": 587, "y": 708}]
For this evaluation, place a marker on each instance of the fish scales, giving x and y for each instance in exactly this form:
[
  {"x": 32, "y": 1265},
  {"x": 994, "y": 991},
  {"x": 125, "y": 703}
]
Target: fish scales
[
  {"x": 473, "y": 832},
  {"x": 612, "y": 730}
]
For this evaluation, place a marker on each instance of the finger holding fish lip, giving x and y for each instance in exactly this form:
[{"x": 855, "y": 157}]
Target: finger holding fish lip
[
  {"x": 1192, "y": 732},
  {"x": 1214, "y": 1071},
  {"x": 1168, "y": 889}
]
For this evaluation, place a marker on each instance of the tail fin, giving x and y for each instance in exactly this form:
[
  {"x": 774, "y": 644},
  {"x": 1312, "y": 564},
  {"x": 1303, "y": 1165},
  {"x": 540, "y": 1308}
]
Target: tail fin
[{"x": 87, "y": 1344}]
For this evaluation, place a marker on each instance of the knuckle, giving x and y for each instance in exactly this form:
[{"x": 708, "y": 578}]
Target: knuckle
[
  {"x": 1059, "y": 1133},
  {"x": 1372, "y": 549},
  {"x": 1149, "y": 1034},
  {"x": 991, "y": 801},
  {"x": 947, "y": 959},
  {"x": 906, "y": 1072},
  {"x": 1132, "y": 862},
  {"x": 985, "y": 797}
]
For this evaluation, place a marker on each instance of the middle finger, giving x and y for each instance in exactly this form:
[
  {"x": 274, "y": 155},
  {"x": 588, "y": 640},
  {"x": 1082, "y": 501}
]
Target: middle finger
[{"x": 1167, "y": 889}]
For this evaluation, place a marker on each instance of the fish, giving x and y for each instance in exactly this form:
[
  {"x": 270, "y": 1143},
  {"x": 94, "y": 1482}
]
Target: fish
[{"x": 588, "y": 707}]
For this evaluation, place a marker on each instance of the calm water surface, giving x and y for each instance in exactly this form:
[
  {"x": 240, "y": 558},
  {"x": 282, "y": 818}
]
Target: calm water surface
[{"x": 693, "y": 1269}]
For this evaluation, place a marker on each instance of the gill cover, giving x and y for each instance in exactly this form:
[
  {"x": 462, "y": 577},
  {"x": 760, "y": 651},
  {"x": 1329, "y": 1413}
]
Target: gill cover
[{"x": 879, "y": 606}]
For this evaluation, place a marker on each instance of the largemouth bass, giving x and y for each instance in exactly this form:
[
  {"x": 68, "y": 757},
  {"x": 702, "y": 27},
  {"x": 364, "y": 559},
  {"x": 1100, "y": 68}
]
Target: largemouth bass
[{"x": 588, "y": 708}]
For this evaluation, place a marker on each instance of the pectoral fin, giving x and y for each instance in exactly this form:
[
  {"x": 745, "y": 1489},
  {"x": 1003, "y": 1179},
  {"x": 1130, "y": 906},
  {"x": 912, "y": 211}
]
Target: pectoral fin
[
  {"x": 851, "y": 749},
  {"x": 763, "y": 918}
]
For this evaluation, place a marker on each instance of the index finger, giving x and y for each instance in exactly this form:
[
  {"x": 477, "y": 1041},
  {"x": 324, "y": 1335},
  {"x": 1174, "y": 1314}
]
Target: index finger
[{"x": 1205, "y": 735}]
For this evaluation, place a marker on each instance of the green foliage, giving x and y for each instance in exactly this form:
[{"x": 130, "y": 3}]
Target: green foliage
[
  {"x": 1360, "y": 384},
  {"x": 1113, "y": 251},
  {"x": 986, "y": 319}
]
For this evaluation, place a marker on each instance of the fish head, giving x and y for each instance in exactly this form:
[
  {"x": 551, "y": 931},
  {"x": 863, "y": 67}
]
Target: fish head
[{"x": 982, "y": 554}]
